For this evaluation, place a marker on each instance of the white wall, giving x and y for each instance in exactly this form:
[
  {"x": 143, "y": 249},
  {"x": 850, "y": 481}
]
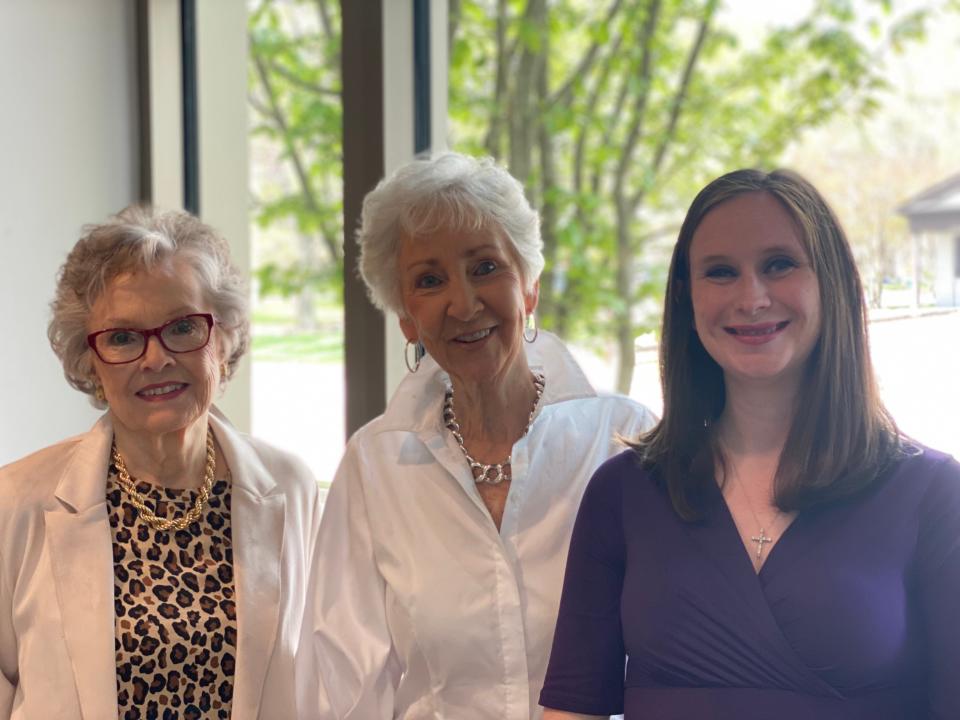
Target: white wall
[
  {"x": 946, "y": 285},
  {"x": 398, "y": 145},
  {"x": 224, "y": 159},
  {"x": 68, "y": 156},
  {"x": 221, "y": 36}
]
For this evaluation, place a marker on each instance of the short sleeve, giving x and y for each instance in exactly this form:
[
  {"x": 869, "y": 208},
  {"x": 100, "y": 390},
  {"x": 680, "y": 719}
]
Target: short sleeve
[
  {"x": 586, "y": 669},
  {"x": 938, "y": 588}
]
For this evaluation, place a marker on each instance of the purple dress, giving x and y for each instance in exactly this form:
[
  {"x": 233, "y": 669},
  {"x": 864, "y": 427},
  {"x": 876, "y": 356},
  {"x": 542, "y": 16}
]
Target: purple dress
[{"x": 854, "y": 615}]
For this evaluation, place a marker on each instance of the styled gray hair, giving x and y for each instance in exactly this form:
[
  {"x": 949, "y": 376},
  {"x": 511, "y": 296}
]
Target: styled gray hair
[
  {"x": 448, "y": 192},
  {"x": 140, "y": 238}
]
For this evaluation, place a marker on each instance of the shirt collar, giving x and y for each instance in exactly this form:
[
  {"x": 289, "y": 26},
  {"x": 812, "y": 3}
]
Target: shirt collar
[{"x": 417, "y": 403}]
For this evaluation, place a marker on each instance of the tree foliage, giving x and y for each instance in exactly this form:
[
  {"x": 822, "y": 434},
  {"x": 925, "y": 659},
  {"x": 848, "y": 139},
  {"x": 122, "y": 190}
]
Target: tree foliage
[
  {"x": 296, "y": 107},
  {"x": 613, "y": 114}
]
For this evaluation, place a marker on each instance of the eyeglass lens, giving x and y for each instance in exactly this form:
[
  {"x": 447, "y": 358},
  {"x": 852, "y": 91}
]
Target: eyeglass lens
[{"x": 182, "y": 335}]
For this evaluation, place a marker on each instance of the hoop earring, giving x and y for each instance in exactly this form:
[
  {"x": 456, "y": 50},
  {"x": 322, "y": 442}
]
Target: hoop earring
[
  {"x": 531, "y": 325},
  {"x": 99, "y": 394},
  {"x": 223, "y": 371},
  {"x": 418, "y": 353}
]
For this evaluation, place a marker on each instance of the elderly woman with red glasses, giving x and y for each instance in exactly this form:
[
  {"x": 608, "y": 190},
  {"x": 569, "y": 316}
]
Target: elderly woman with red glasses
[{"x": 152, "y": 566}]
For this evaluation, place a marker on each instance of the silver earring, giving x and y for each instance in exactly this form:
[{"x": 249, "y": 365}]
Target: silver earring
[
  {"x": 531, "y": 325},
  {"x": 418, "y": 353}
]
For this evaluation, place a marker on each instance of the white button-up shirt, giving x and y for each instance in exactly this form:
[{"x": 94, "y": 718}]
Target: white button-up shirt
[{"x": 419, "y": 607}]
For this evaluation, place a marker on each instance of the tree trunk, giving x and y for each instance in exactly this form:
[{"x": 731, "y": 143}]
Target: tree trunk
[
  {"x": 299, "y": 164},
  {"x": 306, "y": 298},
  {"x": 453, "y": 21},
  {"x": 917, "y": 268},
  {"x": 626, "y": 352},
  {"x": 492, "y": 142},
  {"x": 524, "y": 116},
  {"x": 625, "y": 208},
  {"x": 548, "y": 208}
]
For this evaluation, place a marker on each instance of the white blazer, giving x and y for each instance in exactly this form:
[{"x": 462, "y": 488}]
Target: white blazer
[{"x": 56, "y": 577}]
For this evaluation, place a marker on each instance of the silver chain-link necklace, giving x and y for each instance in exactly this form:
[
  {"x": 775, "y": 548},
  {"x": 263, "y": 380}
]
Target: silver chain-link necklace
[{"x": 499, "y": 469}]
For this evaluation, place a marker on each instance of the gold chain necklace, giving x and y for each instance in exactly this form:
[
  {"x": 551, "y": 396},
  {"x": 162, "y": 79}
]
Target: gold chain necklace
[
  {"x": 128, "y": 485},
  {"x": 499, "y": 469}
]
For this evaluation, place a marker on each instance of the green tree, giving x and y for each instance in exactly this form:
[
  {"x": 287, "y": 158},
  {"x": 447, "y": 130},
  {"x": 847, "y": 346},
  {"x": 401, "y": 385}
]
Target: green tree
[
  {"x": 613, "y": 114},
  {"x": 296, "y": 106}
]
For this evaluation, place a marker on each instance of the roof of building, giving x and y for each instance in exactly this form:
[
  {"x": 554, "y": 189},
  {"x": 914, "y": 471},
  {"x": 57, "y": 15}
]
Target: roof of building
[{"x": 936, "y": 208}]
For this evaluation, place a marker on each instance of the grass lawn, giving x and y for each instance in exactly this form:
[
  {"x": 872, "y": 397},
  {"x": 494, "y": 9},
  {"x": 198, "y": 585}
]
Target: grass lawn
[
  {"x": 308, "y": 347},
  {"x": 276, "y": 338}
]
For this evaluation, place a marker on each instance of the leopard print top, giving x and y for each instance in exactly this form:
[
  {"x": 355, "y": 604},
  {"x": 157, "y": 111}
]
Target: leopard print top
[{"x": 176, "y": 629}]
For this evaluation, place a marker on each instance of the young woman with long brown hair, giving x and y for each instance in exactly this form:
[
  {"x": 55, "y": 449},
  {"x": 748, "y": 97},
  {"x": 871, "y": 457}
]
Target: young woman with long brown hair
[{"x": 773, "y": 547}]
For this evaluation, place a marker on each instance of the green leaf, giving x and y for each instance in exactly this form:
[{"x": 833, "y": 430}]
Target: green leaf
[{"x": 912, "y": 27}]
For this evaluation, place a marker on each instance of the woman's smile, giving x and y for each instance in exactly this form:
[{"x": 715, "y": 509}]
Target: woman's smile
[
  {"x": 474, "y": 337},
  {"x": 757, "y": 334},
  {"x": 161, "y": 392}
]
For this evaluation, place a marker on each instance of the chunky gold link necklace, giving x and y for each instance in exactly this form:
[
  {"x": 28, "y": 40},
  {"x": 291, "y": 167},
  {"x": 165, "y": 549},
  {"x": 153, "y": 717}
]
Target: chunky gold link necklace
[{"x": 128, "y": 485}]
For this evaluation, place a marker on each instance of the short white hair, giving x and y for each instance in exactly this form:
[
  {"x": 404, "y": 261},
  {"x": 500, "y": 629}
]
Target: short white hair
[{"x": 447, "y": 192}]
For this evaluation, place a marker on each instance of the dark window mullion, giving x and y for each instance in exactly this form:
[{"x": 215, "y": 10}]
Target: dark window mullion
[
  {"x": 421, "y": 76},
  {"x": 191, "y": 129}
]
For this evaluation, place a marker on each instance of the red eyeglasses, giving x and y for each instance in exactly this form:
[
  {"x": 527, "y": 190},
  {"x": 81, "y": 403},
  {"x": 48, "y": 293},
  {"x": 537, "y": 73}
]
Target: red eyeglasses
[{"x": 116, "y": 346}]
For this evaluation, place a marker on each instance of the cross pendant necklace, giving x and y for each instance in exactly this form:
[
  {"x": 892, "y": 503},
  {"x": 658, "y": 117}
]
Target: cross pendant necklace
[{"x": 760, "y": 540}]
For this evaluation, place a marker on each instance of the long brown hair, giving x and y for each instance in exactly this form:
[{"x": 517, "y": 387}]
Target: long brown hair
[{"x": 841, "y": 436}]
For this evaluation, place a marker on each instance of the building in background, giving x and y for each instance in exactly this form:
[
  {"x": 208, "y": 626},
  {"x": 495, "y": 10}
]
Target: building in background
[{"x": 934, "y": 216}]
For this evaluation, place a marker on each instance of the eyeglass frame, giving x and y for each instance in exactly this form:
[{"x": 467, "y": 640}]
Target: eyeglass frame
[{"x": 152, "y": 332}]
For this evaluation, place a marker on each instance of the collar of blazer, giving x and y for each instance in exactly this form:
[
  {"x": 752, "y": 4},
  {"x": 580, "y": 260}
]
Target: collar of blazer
[{"x": 82, "y": 482}]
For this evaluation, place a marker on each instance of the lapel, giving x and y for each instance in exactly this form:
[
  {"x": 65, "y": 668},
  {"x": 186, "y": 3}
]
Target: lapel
[
  {"x": 257, "y": 511},
  {"x": 718, "y": 538},
  {"x": 79, "y": 543}
]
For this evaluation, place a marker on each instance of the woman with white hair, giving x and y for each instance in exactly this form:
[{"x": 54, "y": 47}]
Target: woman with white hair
[
  {"x": 445, "y": 531},
  {"x": 153, "y": 566}
]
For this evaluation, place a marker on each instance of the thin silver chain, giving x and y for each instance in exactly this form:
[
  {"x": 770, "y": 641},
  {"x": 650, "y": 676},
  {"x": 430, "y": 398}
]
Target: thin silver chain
[
  {"x": 762, "y": 538},
  {"x": 501, "y": 474}
]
